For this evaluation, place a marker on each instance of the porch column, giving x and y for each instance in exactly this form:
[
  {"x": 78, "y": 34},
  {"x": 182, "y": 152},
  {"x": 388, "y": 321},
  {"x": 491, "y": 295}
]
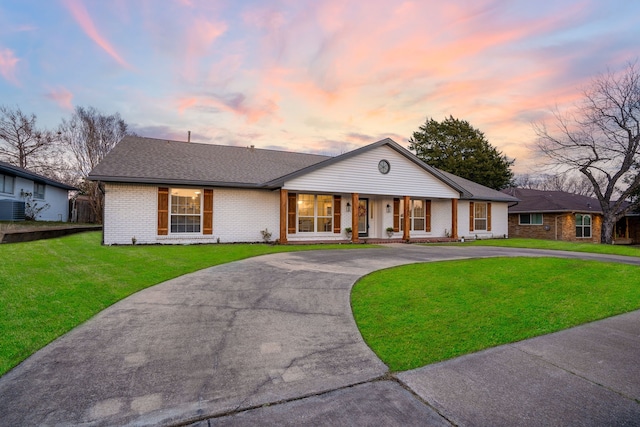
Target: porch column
[
  {"x": 454, "y": 219},
  {"x": 283, "y": 215},
  {"x": 355, "y": 201},
  {"x": 626, "y": 229},
  {"x": 406, "y": 221}
]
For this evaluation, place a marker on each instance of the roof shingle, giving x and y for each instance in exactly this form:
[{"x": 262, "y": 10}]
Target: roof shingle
[
  {"x": 534, "y": 201},
  {"x": 149, "y": 160}
]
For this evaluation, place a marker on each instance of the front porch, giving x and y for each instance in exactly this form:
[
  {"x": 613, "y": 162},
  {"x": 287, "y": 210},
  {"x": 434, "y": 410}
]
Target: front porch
[{"x": 365, "y": 218}]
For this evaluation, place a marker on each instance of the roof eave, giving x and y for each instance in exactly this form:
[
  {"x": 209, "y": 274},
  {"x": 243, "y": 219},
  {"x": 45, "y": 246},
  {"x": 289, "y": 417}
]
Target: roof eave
[
  {"x": 36, "y": 178},
  {"x": 157, "y": 181},
  {"x": 492, "y": 199},
  {"x": 549, "y": 211}
]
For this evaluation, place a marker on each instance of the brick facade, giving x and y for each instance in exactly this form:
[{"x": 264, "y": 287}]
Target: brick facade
[
  {"x": 131, "y": 211},
  {"x": 555, "y": 226}
]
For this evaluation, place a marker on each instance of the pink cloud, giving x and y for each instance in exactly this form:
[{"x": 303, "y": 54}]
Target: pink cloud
[
  {"x": 62, "y": 97},
  {"x": 81, "y": 15},
  {"x": 259, "y": 107},
  {"x": 8, "y": 65}
]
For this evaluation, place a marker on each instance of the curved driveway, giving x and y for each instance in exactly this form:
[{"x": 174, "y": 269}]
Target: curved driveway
[{"x": 249, "y": 334}]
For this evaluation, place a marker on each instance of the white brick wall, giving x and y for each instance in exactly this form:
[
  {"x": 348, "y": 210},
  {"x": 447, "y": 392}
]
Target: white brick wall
[
  {"x": 131, "y": 210},
  {"x": 240, "y": 214}
]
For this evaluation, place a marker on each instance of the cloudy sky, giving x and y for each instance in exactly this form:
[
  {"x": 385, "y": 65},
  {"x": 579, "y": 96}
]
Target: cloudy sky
[{"x": 322, "y": 76}]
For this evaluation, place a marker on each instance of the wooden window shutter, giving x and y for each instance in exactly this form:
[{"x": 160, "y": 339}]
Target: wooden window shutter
[
  {"x": 488, "y": 216},
  {"x": 336, "y": 213},
  {"x": 396, "y": 215},
  {"x": 291, "y": 213},
  {"x": 163, "y": 211},
  {"x": 427, "y": 215},
  {"x": 207, "y": 220},
  {"x": 471, "y": 214}
]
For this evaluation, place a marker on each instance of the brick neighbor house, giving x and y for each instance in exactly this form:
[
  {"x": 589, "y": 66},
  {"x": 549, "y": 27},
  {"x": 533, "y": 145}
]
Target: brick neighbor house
[{"x": 557, "y": 215}]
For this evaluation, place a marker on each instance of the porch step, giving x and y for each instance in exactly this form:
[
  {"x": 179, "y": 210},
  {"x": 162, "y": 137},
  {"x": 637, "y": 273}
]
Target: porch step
[{"x": 373, "y": 241}]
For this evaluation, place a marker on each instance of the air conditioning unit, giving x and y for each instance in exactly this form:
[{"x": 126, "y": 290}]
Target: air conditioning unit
[{"x": 11, "y": 210}]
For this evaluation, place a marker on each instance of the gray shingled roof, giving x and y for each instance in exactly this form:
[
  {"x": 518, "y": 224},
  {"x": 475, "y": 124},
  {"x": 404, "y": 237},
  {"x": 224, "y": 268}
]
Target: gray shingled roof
[
  {"x": 156, "y": 161},
  {"x": 10, "y": 169},
  {"x": 539, "y": 201},
  {"x": 477, "y": 191}
]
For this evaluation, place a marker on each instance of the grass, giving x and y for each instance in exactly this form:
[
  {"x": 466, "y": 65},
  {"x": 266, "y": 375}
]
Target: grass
[
  {"x": 560, "y": 246},
  {"x": 424, "y": 313},
  {"x": 48, "y": 287}
]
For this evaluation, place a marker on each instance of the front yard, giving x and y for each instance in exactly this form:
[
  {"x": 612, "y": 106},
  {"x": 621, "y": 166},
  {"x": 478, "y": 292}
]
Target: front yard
[{"x": 48, "y": 287}]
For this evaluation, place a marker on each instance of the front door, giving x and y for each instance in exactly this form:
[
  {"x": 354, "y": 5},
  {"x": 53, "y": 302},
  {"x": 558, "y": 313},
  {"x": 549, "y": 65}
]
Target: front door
[{"x": 363, "y": 218}]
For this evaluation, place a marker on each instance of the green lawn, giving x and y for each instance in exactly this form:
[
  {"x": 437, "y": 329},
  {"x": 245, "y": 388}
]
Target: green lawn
[
  {"x": 48, "y": 287},
  {"x": 560, "y": 246},
  {"x": 423, "y": 313}
]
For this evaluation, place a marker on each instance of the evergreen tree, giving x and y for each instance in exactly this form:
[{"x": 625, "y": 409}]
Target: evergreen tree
[{"x": 457, "y": 147}]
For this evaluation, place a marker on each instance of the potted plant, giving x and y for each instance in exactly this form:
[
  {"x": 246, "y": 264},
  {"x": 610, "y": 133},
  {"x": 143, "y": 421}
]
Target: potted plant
[
  {"x": 348, "y": 232},
  {"x": 389, "y": 231}
]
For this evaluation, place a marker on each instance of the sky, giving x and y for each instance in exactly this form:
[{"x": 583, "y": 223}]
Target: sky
[{"x": 317, "y": 76}]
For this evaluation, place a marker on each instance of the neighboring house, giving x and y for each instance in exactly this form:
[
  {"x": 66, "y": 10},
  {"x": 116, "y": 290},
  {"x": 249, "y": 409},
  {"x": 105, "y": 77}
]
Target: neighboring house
[
  {"x": 16, "y": 181},
  {"x": 557, "y": 215},
  {"x": 170, "y": 192}
]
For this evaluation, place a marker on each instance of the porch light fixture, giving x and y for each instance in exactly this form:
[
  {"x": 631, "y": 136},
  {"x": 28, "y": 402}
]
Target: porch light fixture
[
  {"x": 348, "y": 207},
  {"x": 388, "y": 208}
]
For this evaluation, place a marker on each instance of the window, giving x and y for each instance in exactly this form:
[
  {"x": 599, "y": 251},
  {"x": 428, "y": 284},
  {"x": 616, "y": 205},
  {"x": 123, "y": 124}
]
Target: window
[
  {"x": 6, "y": 184},
  {"x": 185, "y": 210},
  {"x": 583, "y": 225},
  {"x": 38, "y": 190},
  {"x": 315, "y": 213},
  {"x": 417, "y": 215},
  {"x": 480, "y": 216},
  {"x": 531, "y": 219}
]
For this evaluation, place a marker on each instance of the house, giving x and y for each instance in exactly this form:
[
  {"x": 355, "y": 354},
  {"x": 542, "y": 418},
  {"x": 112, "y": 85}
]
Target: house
[
  {"x": 557, "y": 215},
  {"x": 15, "y": 182},
  {"x": 171, "y": 192}
]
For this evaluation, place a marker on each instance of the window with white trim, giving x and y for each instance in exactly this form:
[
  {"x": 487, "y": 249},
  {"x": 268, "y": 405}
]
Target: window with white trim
[
  {"x": 583, "y": 225},
  {"x": 315, "y": 213},
  {"x": 531, "y": 219},
  {"x": 6, "y": 184},
  {"x": 38, "y": 190},
  {"x": 186, "y": 208},
  {"x": 480, "y": 216},
  {"x": 417, "y": 214}
]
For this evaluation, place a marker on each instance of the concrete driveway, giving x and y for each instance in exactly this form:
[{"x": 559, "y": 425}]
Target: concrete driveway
[{"x": 271, "y": 340}]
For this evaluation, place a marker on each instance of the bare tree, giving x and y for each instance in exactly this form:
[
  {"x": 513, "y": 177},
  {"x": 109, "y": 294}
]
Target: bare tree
[
  {"x": 600, "y": 138},
  {"x": 556, "y": 182},
  {"x": 89, "y": 135},
  {"x": 22, "y": 143}
]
